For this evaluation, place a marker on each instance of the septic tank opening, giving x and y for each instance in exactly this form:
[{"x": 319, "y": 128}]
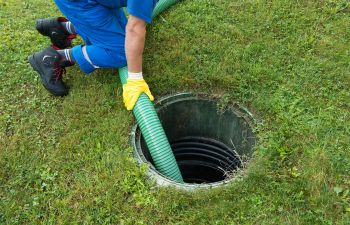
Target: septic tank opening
[
  {"x": 207, "y": 139},
  {"x": 203, "y": 160}
]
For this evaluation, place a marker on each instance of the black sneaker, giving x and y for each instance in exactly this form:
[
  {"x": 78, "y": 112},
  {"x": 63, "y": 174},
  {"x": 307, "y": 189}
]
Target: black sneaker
[
  {"x": 48, "y": 64},
  {"x": 52, "y": 28}
]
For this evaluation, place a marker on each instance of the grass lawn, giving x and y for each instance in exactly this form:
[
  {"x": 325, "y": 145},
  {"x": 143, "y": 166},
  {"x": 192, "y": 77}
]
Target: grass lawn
[{"x": 67, "y": 160}]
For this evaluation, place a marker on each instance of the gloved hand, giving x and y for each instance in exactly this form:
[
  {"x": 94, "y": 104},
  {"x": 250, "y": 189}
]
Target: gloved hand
[{"x": 132, "y": 90}]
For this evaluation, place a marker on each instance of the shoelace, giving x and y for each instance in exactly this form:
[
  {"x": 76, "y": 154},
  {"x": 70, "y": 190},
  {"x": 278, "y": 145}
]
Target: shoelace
[
  {"x": 68, "y": 39},
  {"x": 59, "y": 70},
  {"x": 68, "y": 43}
]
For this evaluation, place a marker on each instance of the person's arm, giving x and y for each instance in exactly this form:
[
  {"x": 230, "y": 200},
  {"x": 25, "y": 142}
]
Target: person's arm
[{"x": 135, "y": 43}]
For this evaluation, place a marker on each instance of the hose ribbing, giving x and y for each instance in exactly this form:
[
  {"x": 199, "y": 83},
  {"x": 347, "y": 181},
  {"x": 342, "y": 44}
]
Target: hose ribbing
[
  {"x": 162, "y": 5},
  {"x": 149, "y": 123}
]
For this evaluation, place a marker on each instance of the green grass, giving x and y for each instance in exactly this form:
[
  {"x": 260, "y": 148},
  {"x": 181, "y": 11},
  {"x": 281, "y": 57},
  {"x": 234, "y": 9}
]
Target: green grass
[{"x": 67, "y": 160}]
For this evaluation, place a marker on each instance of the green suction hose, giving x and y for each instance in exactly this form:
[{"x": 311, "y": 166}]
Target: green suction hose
[
  {"x": 162, "y": 5},
  {"x": 149, "y": 123}
]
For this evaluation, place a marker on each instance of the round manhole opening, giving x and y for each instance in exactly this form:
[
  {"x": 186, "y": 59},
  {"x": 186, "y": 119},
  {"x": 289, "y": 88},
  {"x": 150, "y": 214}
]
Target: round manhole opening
[{"x": 209, "y": 140}]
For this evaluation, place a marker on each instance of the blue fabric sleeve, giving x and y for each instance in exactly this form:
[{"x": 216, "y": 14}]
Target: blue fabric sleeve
[{"x": 141, "y": 8}]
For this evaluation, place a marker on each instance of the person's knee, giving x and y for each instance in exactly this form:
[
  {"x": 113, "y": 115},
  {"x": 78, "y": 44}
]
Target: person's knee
[
  {"x": 92, "y": 57},
  {"x": 118, "y": 57}
]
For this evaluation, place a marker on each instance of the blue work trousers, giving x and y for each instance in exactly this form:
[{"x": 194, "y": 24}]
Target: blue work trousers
[{"x": 102, "y": 26}]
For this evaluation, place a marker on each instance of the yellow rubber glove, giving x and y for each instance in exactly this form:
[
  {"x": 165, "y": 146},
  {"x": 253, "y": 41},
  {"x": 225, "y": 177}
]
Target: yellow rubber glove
[{"x": 132, "y": 90}]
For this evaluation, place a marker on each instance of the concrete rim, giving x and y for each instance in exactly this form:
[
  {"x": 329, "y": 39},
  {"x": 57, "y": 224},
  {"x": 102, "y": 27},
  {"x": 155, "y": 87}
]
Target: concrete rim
[{"x": 152, "y": 173}]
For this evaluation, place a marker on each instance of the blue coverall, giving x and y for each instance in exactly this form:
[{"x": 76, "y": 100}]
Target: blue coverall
[{"x": 101, "y": 24}]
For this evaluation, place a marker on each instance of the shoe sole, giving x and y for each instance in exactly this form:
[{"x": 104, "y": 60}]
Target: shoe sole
[{"x": 36, "y": 68}]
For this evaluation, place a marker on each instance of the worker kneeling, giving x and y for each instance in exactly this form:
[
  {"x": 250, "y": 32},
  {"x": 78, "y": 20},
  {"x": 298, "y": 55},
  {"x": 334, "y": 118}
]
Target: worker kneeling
[{"x": 111, "y": 40}]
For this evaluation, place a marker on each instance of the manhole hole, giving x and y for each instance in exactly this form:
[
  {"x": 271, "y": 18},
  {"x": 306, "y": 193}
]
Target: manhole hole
[
  {"x": 208, "y": 141},
  {"x": 203, "y": 160}
]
